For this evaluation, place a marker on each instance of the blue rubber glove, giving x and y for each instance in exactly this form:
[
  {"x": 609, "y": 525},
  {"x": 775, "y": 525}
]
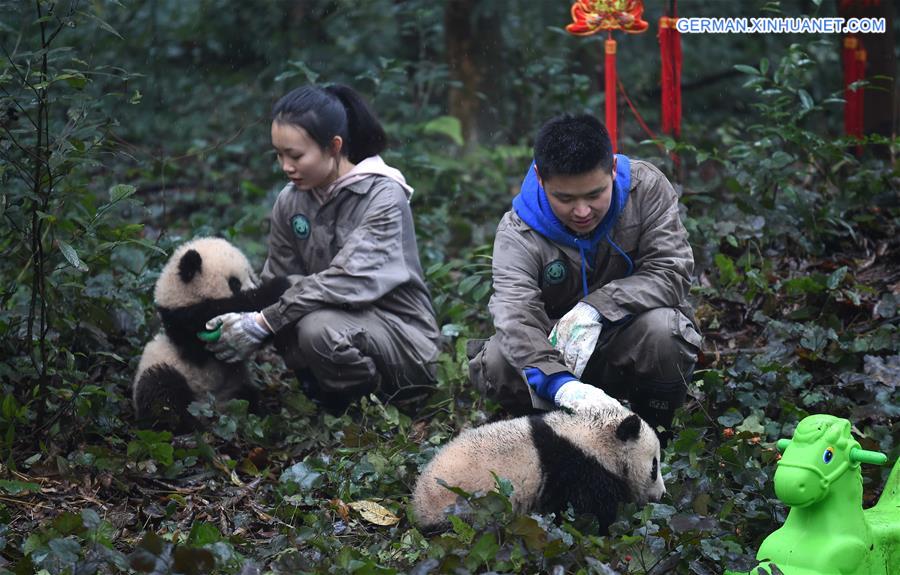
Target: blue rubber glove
[
  {"x": 242, "y": 335},
  {"x": 575, "y": 336}
]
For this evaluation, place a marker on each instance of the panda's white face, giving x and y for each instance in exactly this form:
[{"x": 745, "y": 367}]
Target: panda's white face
[
  {"x": 203, "y": 269},
  {"x": 623, "y": 442},
  {"x": 645, "y": 475}
]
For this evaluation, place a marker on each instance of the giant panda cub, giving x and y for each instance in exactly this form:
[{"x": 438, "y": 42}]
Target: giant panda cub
[
  {"x": 204, "y": 278},
  {"x": 591, "y": 459}
]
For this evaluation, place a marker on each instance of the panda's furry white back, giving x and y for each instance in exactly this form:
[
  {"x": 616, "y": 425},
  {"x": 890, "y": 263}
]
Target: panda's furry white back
[{"x": 593, "y": 460}]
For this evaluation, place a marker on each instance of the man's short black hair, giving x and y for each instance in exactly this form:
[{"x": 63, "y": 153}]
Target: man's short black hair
[{"x": 570, "y": 145}]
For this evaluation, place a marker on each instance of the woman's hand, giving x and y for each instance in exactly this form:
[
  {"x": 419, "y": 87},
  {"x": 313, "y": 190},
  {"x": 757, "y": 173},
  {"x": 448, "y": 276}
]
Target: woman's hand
[{"x": 242, "y": 335}]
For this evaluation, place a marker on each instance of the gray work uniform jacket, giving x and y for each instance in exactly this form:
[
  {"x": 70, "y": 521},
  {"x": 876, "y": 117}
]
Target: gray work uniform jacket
[
  {"x": 356, "y": 251},
  {"x": 537, "y": 281}
]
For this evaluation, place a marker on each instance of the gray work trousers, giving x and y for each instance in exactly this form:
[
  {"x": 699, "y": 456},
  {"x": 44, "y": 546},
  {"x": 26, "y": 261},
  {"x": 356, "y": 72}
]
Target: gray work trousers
[
  {"x": 341, "y": 355},
  {"x": 647, "y": 360}
]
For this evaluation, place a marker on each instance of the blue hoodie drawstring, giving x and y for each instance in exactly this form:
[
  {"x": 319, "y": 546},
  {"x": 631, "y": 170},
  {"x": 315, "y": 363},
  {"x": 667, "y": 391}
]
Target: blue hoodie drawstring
[
  {"x": 624, "y": 255},
  {"x": 582, "y": 250},
  {"x": 584, "y": 283}
]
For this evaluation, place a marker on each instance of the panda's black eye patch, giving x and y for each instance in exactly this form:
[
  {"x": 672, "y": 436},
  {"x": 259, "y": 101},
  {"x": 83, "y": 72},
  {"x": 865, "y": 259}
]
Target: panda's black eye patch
[
  {"x": 653, "y": 470},
  {"x": 235, "y": 285}
]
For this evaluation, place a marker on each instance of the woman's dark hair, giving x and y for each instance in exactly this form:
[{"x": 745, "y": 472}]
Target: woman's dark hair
[
  {"x": 333, "y": 111},
  {"x": 569, "y": 145}
]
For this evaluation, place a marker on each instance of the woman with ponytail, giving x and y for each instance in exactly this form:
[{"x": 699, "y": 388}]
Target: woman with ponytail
[{"x": 358, "y": 316}]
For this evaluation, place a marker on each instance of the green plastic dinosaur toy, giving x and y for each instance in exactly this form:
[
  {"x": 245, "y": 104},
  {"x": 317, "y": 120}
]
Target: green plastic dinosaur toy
[{"x": 827, "y": 532}]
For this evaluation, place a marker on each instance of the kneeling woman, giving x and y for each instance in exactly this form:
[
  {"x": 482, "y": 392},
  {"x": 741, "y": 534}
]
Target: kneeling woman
[{"x": 358, "y": 317}]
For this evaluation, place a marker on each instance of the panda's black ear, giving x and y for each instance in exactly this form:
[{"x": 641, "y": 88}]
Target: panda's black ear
[
  {"x": 189, "y": 266},
  {"x": 629, "y": 428}
]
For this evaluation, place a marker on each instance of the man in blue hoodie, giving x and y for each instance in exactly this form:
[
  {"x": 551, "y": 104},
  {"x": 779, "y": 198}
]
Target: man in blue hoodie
[{"x": 591, "y": 271}]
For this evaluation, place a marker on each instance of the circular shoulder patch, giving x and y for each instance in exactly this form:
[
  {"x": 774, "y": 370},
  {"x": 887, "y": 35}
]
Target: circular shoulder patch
[
  {"x": 555, "y": 272},
  {"x": 300, "y": 225}
]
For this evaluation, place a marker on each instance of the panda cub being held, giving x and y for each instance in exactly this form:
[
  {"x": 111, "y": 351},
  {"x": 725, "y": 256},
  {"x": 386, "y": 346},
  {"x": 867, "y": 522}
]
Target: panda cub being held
[
  {"x": 204, "y": 278},
  {"x": 592, "y": 460}
]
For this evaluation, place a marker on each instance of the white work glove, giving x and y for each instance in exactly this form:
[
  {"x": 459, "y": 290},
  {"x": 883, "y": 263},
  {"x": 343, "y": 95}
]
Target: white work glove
[
  {"x": 575, "y": 336},
  {"x": 579, "y": 396},
  {"x": 242, "y": 335}
]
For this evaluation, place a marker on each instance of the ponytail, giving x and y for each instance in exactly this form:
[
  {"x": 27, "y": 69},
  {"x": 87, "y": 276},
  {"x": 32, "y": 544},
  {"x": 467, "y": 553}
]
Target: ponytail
[
  {"x": 334, "y": 111},
  {"x": 365, "y": 135}
]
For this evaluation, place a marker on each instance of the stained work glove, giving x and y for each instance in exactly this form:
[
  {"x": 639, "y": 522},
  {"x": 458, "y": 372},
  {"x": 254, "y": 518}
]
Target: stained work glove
[
  {"x": 575, "y": 336},
  {"x": 579, "y": 396},
  {"x": 242, "y": 335}
]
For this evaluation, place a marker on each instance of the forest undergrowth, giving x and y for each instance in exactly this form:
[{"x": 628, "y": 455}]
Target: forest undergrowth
[{"x": 795, "y": 235}]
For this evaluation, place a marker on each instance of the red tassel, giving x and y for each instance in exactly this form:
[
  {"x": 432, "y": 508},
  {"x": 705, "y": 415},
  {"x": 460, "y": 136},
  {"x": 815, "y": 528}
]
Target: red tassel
[
  {"x": 610, "y": 87},
  {"x": 848, "y": 57},
  {"x": 670, "y": 56},
  {"x": 859, "y": 123},
  {"x": 676, "y": 81}
]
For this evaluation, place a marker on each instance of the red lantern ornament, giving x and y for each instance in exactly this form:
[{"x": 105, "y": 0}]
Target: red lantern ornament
[{"x": 592, "y": 16}]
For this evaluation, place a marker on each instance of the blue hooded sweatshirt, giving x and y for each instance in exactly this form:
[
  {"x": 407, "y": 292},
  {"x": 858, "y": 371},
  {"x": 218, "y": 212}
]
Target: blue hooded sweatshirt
[{"x": 532, "y": 205}]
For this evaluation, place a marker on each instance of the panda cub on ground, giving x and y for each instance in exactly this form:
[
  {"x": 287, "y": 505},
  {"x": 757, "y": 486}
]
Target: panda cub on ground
[
  {"x": 204, "y": 278},
  {"x": 592, "y": 459}
]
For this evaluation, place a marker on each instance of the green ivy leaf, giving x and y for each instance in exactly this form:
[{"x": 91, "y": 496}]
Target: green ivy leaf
[
  {"x": 446, "y": 125},
  {"x": 301, "y": 475},
  {"x": 65, "y": 550},
  {"x": 119, "y": 192},
  {"x": 727, "y": 274},
  {"x": 71, "y": 256},
  {"x": 504, "y": 485},
  {"x": 462, "y": 529},
  {"x": 730, "y": 418},
  {"x": 466, "y": 285},
  {"x": 836, "y": 277},
  {"x": 203, "y": 533},
  {"x": 484, "y": 549},
  {"x": 751, "y": 424},
  {"x": 746, "y": 69},
  {"x": 18, "y": 487}
]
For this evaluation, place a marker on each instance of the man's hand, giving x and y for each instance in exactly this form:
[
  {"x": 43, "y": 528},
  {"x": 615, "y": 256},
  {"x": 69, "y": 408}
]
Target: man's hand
[
  {"x": 242, "y": 335},
  {"x": 575, "y": 336},
  {"x": 579, "y": 396}
]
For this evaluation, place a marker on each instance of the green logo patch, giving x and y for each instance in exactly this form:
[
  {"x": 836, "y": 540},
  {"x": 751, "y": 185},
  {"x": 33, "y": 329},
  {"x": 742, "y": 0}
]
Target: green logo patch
[
  {"x": 555, "y": 272},
  {"x": 300, "y": 225}
]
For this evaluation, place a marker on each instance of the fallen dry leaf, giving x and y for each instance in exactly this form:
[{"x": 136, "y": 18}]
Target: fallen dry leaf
[{"x": 374, "y": 513}]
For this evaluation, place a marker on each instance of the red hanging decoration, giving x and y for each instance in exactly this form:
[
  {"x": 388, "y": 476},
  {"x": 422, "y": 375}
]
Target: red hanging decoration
[
  {"x": 670, "y": 56},
  {"x": 592, "y": 16},
  {"x": 860, "y": 109},
  {"x": 609, "y": 75},
  {"x": 848, "y": 58}
]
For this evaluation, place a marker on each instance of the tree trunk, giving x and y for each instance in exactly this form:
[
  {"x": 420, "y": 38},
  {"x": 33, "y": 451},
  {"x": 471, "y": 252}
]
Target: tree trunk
[{"x": 464, "y": 71}]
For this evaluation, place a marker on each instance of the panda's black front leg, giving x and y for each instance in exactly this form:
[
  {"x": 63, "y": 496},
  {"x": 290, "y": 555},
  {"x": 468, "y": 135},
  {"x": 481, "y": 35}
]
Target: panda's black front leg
[
  {"x": 183, "y": 324},
  {"x": 266, "y": 294}
]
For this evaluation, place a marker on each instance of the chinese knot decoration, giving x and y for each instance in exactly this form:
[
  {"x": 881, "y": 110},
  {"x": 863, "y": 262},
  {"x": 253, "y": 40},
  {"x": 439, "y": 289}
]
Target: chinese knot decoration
[{"x": 592, "y": 16}]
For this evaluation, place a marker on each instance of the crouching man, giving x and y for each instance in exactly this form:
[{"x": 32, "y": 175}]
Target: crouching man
[{"x": 591, "y": 270}]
